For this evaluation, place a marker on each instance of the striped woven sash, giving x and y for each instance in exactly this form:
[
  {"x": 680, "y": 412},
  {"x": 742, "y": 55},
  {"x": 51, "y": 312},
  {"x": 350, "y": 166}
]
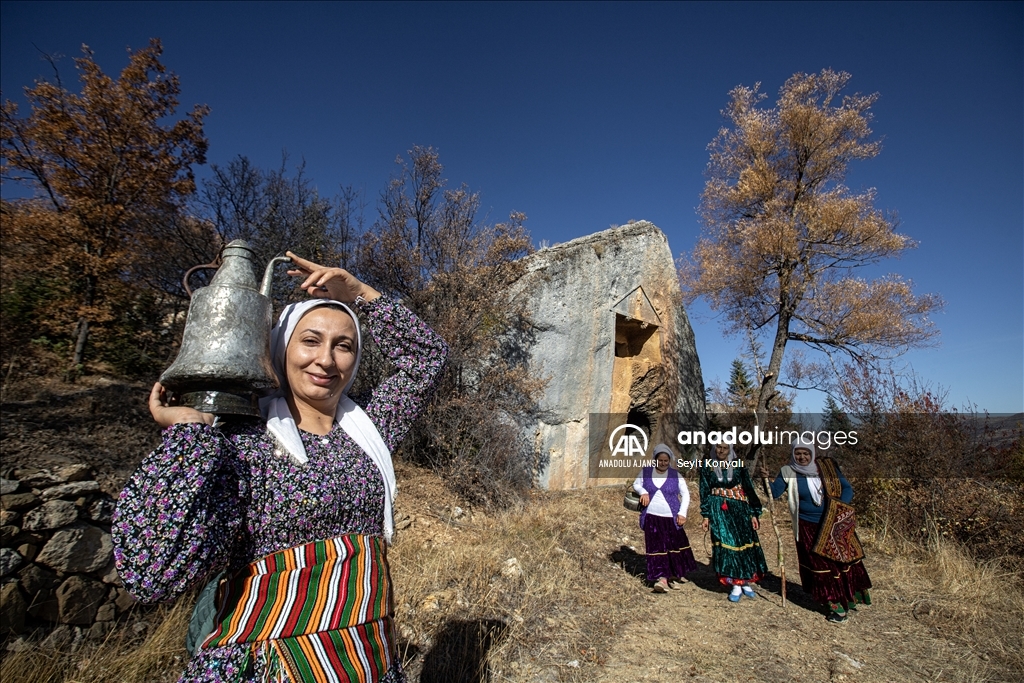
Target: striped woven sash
[{"x": 318, "y": 612}]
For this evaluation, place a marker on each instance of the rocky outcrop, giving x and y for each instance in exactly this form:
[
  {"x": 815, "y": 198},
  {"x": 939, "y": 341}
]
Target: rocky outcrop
[
  {"x": 611, "y": 337},
  {"x": 57, "y": 576}
]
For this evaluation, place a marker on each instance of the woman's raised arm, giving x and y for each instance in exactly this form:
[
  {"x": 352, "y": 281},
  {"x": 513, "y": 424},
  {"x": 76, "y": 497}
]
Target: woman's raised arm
[{"x": 418, "y": 354}]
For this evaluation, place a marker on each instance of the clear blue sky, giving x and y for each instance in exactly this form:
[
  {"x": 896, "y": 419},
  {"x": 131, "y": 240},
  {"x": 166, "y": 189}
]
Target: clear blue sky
[{"x": 587, "y": 115}]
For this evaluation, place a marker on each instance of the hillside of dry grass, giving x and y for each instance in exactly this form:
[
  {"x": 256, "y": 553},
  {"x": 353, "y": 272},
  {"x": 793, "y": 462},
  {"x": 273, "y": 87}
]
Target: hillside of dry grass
[{"x": 552, "y": 589}]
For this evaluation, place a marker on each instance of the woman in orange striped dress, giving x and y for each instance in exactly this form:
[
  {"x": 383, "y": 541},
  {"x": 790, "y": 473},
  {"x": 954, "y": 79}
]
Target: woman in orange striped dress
[{"x": 294, "y": 508}]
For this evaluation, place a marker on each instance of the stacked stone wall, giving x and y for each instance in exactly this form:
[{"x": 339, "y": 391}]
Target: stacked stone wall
[{"x": 58, "y": 583}]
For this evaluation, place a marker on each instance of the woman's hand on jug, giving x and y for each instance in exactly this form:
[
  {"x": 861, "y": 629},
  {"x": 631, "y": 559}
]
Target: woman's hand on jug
[
  {"x": 167, "y": 415},
  {"x": 330, "y": 283}
]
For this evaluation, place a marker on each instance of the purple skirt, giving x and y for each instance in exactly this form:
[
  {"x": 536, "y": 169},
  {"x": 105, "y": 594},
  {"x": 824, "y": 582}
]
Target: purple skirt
[
  {"x": 827, "y": 581},
  {"x": 668, "y": 549}
]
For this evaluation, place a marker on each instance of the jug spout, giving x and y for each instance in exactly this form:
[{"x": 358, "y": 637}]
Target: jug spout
[{"x": 268, "y": 274}]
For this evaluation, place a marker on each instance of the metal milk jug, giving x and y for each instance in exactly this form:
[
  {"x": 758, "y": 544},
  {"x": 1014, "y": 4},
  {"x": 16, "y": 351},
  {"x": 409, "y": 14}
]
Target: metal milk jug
[{"x": 223, "y": 366}]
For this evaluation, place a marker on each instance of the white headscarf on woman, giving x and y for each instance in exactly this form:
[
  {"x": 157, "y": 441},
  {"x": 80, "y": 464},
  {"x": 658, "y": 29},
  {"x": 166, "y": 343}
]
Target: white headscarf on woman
[
  {"x": 732, "y": 457},
  {"x": 810, "y": 470},
  {"x": 349, "y": 416},
  {"x": 663, "y": 448}
]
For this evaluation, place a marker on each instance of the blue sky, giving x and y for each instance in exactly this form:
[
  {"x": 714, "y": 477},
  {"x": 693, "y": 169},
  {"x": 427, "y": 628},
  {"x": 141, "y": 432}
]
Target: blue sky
[{"x": 588, "y": 115}]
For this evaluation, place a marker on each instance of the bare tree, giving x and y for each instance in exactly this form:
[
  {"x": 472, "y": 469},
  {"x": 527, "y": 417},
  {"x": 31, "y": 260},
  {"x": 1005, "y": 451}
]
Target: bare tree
[
  {"x": 275, "y": 211},
  {"x": 428, "y": 249}
]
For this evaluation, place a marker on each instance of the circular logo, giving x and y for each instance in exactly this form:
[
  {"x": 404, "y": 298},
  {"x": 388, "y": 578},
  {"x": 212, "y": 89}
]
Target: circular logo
[{"x": 613, "y": 442}]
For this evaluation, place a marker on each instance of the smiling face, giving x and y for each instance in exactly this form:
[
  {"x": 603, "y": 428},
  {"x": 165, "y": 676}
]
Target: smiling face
[
  {"x": 661, "y": 462},
  {"x": 320, "y": 357},
  {"x": 802, "y": 456},
  {"x": 722, "y": 451}
]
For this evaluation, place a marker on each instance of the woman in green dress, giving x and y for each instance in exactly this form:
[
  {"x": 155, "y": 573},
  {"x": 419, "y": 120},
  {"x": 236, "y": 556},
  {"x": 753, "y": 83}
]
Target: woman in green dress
[{"x": 731, "y": 509}]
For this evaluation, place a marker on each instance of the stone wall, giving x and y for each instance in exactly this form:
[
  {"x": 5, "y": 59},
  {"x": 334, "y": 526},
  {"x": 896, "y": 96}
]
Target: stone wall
[
  {"x": 57, "y": 576},
  {"x": 611, "y": 336}
]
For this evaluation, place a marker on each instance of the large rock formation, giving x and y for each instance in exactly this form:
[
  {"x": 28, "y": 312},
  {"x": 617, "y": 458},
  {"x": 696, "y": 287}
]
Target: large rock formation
[{"x": 612, "y": 337}]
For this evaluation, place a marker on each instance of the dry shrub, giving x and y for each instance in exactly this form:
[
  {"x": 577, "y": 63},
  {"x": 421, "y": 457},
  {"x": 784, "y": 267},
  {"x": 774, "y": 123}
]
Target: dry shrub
[
  {"x": 428, "y": 250},
  {"x": 982, "y": 515},
  {"x": 921, "y": 468},
  {"x": 477, "y": 452},
  {"x": 937, "y": 489}
]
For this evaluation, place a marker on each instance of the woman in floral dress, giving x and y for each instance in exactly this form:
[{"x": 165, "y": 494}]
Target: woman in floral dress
[{"x": 296, "y": 508}]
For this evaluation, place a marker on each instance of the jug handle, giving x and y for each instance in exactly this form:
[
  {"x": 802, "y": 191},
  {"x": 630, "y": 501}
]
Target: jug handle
[{"x": 188, "y": 273}]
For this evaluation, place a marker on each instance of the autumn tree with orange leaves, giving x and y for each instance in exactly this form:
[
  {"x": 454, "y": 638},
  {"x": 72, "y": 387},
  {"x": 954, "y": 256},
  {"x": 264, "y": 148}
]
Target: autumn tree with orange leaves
[
  {"x": 783, "y": 236},
  {"x": 108, "y": 171}
]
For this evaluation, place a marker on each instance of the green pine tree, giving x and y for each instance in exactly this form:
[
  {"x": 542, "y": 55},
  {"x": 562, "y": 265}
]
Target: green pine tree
[
  {"x": 833, "y": 417},
  {"x": 741, "y": 389}
]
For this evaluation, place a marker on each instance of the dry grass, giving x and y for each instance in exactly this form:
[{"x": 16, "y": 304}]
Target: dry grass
[
  {"x": 527, "y": 594},
  {"x": 977, "y": 604},
  {"x": 464, "y": 615},
  {"x": 123, "y": 656},
  {"x": 974, "y": 607}
]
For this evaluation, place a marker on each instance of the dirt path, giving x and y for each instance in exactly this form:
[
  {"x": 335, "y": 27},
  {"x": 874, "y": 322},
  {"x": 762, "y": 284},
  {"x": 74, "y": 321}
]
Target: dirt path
[{"x": 695, "y": 634}]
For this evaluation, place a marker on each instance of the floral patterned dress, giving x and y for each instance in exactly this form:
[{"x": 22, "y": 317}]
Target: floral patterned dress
[{"x": 220, "y": 498}]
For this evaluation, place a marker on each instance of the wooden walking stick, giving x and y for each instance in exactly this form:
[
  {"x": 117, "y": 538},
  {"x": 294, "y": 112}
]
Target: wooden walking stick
[
  {"x": 755, "y": 449},
  {"x": 778, "y": 538}
]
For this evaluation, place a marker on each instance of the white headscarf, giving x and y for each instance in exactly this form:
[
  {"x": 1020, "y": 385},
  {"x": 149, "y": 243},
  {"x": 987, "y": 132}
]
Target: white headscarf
[
  {"x": 732, "y": 457},
  {"x": 349, "y": 416},
  {"x": 810, "y": 470}
]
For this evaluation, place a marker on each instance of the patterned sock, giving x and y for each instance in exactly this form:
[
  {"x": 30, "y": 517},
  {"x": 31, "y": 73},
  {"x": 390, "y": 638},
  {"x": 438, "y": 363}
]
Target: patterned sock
[{"x": 837, "y": 608}]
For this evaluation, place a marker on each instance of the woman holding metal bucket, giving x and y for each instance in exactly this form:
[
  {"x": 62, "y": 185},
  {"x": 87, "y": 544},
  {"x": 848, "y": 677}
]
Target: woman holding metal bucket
[{"x": 295, "y": 508}]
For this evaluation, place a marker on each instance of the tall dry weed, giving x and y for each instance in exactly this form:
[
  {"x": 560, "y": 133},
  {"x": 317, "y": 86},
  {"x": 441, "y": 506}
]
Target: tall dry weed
[
  {"x": 978, "y": 603},
  {"x": 124, "y": 657}
]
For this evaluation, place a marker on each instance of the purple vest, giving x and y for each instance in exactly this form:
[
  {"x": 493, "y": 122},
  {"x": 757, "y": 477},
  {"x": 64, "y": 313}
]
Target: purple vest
[{"x": 670, "y": 489}]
